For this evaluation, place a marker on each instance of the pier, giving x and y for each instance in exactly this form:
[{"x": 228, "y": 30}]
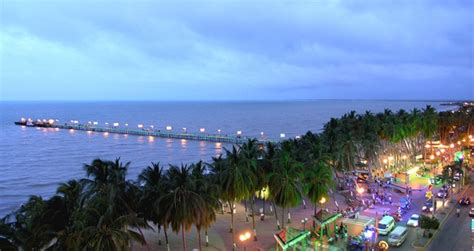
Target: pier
[{"x": 141, "y": 131}]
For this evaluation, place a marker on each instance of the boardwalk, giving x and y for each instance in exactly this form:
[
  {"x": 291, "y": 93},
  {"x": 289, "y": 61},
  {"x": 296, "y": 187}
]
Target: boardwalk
[{"x": 147, "y": 132}]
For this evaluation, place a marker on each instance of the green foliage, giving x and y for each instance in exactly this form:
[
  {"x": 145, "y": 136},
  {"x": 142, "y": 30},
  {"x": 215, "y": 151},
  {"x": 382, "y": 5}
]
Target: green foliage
[{"x": 428, "y": 223}]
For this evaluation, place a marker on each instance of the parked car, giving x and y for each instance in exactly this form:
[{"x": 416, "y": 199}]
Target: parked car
[
  {"x": 397, "y": 236},
  {"x": 465, "y": 201},
  {"x": 413, "y": 221},
  {"x": 428, "y": 206},
  {"x": 471, "y": 213},
  {"x": 386, "y": 224}
]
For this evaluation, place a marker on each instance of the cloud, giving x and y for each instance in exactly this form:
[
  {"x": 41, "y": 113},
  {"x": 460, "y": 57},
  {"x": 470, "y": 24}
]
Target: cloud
[{"x": 236, "y": 50}]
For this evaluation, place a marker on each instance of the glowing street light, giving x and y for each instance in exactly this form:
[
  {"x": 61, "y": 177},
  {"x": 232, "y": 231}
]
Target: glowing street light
[
  {"x": 442, "y": 150},
  {"x": 239, "y": 133},
  {"x": 218, "y": 131},
  {"x": 140, "y": 125},
  {"x": 404, "y": 157},
  {"x": 202, "y": 129},
  {"x": 322, "y": 200},
  {"x": 261, "y": 134},
  {"x": 438, "y": 153},
  {"x": 184, "y": 129},
  {"x": 432, "y": 157},
  {"x": 169, "y": 128},
  {"x": 126, "y": 124},
  {"x": 282, "y": 135},
  {"x": 152, "y": 126},
  {"x": 95, "y": 123},
  {"x": 385, "y": 161},
  {"x": 452, "y": 145},
  {"x": 245, "y": 236},
  {"x": 116, "y": 124},
  {"x": 360, "y": 190}
]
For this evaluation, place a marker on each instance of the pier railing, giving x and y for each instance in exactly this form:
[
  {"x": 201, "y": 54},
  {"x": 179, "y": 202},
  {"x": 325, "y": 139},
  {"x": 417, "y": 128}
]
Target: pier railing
[{"x": 151, "y": 132}]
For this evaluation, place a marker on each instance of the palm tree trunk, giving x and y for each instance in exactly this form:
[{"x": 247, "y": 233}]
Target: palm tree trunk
[
  {"x": 199, "y": 237},
  {"x": 314, "y": 216},
  {"x": 253, "y": 220},
  {"x": 182, "y": 237},
  {"x": 231, "y": 229},
  {"x": 207, "y": 237},
  {"x": 276, "y": 216},
  {"x": 159, "y": 235},
  {"x": 283, "y": 217},
  {"x": 232, "y": 224},
  {"x": 246, "y": 212},
  {"x": 146, "y": 243},
  {"x": 166, "y": 238}
]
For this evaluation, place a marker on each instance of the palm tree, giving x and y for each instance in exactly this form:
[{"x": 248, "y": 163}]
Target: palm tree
[
  {"x": 250, "y": 153},
  {"x": 210, "y": 194},
  {"x": 284, "y": 181},
  {"x": 235, "y": 183},
  {"x": 152, "y": 181},
  {"x": 181, "y": 206},
  {"x": 317, "y": 181}
]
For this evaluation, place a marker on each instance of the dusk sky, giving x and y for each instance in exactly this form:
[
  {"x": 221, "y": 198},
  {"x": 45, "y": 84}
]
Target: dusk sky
[{"x": 236, "y": 50}]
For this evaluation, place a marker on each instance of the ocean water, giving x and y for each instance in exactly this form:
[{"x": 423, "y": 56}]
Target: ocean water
[{"x": 34, "y": 161}]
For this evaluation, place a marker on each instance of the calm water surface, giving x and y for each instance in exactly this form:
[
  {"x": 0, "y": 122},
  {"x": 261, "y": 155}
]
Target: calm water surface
[{"x": 34, "y": 161}]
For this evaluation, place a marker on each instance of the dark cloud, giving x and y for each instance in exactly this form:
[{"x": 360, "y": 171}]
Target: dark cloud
[{"x": 309, "y": 49}]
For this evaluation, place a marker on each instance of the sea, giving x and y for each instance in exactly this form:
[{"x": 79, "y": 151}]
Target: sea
[{"x": 34, "y": 161}]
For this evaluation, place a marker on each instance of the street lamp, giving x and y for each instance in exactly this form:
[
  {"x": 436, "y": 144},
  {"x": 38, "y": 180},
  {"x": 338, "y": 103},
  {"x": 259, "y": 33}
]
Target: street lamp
[
  {"x": 243, "y": 237},
  {"x": 169, "y": 128}
]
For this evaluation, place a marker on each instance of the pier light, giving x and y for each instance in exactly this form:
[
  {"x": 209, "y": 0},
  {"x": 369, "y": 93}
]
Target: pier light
[
  {"x": 72, "y": 121},
  {"x": 57, "y": 120},
  {"x": 297, "y": 137},
  {"x": 463, "y": 140},
  {"x": 95, "y": 123},
  {"x": 116, "y": 124},
  {"x": 470, "y": 136},
  {"x": 126, "y": 124},
  {"x": 442, "y": 150},
  {"x": 390, "y": 158},
  {"x": 152, "y": 126},
  {"x": 282, "y": 135},
  {"x": 452, "y": 145},
  {"x": 459, "y": 142},
  {"x": 385, "y": 161},
  {"x": 106, "y": 133},
  {"x": 89, "y": 122},
  {"x": 23, "y": 119},
  {"x": 76, "y": 121},
  {"x": 261, "y": 134},
  {"x": 438, "y": 153},
  {"x": 427, "y": 146},
  {"x": 360, "y": 190},
  {"x": 44, "y": 120},
  {"x": 202, "y": 129},
  {"x": 184, "y": 129},
  {"x": 404, "y": 157},
  {"x": 51, "y": 121},
  {"x": 106, "y": 123},
  {"x": 169, "y": 128},
  {"x": 140, "y": 125},
  {"x": 239, "y": 132},
  {"x": 432, "y": 157},
  {"x": 219, "y": 131}
]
